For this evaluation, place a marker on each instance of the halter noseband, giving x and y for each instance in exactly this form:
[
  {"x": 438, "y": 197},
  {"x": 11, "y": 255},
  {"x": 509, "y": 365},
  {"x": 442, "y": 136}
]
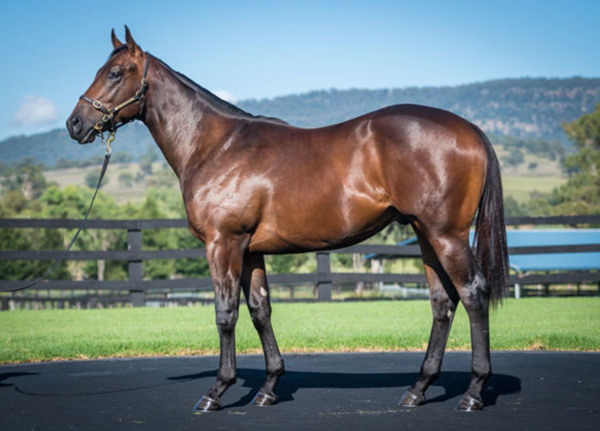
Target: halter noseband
[{"x": 109, "y": 114}]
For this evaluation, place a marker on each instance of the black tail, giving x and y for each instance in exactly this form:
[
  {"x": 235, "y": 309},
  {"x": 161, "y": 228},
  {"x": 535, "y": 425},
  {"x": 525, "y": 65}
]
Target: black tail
[{"x": 490, "y": 246}]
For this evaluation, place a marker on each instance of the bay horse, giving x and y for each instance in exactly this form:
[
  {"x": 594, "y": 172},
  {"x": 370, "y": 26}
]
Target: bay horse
[{"x": 254, "y": 185}]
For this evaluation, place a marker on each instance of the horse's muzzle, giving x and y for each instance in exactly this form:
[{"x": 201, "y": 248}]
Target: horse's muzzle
[{"x": 78, "y": 129}]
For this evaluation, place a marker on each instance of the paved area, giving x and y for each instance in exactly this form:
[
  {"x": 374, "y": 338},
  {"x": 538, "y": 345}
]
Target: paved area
[{"x": 529, "y": 390}]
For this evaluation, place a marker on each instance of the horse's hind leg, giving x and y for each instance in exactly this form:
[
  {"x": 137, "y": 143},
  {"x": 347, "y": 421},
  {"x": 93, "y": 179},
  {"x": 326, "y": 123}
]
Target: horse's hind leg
[
  {"x": 256, "y": 290},
  {"x": 444, "y": 299},
  {"x": 458, "y": 261}
]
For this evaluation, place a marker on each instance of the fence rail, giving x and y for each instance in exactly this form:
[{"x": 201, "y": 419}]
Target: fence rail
[{"x": 138, "y": 290}]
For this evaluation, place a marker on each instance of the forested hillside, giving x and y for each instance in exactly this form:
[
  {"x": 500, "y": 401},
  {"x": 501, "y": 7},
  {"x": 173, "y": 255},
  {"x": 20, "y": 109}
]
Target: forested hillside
[
  {"x": 517, "y": 107},
  {"x": 532, "y": 108}
]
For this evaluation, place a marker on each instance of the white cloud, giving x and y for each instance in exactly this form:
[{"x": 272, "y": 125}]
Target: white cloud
[
  {"x": 225, "y": 95},
  {"x": 35, "y": 111}
]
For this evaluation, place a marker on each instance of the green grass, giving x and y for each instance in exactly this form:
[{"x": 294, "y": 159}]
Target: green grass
[
  {"x": 110, "y": 184},
  {"x": 525, "y": 324},
  {"x": 521, "y": 187}
]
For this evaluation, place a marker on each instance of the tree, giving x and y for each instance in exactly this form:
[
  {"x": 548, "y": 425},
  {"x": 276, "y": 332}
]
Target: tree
[
  {"x": 512, "y": 208},
  {"x": 156, "y": 239},
  {"x": 71, "y": 203},
  {"x": 126, "y": 179},
  {"x": 515, "y": 158},
  {"x": 163, "y": 178},
  {"x": 91, "y": 180},
  {"x": 122, "y": 157},
  {"x": 28, "y": 177},
  {"x": 30, "y": 239},
  {"x": 285, "y": 263},
  {"x": 585, "y": 133},
  {"x": 147, "y": 159},
  {"x": 190, "y": 267},
  {"x": 13, "y": 203},
  {"x": 581, "y": 193}
]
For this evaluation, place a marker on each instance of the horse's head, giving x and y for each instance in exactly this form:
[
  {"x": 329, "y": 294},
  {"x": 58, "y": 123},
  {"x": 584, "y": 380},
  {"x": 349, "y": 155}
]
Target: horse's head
[{"x": 117, "y": 94}]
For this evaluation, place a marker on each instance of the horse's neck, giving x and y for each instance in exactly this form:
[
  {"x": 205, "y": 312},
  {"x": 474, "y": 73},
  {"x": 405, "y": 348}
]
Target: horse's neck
[{"x": 185, "y": 122}]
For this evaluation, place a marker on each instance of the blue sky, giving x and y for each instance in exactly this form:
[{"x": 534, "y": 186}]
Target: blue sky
[{"x": 262, "y": 49}]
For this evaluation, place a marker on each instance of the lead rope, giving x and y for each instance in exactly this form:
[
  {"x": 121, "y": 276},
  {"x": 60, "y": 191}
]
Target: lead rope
[{"x": 106, "y": 141}]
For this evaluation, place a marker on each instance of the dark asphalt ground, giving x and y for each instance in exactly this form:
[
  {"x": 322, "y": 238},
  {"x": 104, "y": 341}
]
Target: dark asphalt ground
[{"x": 529, "y": 391}]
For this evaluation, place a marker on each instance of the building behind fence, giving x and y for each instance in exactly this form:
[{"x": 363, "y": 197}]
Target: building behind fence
[{"x": 321, "y": 285}]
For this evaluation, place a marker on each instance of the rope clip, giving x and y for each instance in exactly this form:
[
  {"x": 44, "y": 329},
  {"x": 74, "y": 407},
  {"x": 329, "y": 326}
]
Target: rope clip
[{"x": 107, "y": 141}]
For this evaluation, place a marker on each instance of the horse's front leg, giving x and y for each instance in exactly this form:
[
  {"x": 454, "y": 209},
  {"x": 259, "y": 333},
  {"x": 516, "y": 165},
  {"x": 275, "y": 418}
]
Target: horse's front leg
[
  {"x": 256, "y": 290},
  {"x": 225, "y": 258}
]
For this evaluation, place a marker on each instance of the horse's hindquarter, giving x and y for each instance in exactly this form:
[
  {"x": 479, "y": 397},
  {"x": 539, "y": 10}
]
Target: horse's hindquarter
[{"x": 434, "y": 164}]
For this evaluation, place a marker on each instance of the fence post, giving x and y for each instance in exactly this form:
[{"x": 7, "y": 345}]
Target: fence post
[
  {"x": 135, "y": 267},
  {"x": 324, "y": 282}
]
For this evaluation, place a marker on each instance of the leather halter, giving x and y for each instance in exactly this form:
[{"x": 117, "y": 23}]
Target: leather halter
[{"x": 108, "y": 119}]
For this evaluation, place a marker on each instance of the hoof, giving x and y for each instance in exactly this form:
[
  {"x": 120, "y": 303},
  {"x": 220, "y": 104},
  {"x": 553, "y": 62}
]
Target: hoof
[
  {"x": 207, "y": 404},
  {"x": 410, "y": 399},
  {"x": 264, "y": 399},
  {"x": 469, "y": 404}
]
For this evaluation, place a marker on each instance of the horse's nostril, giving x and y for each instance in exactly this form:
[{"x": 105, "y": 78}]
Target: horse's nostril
[{"x": 75, "y": 124}]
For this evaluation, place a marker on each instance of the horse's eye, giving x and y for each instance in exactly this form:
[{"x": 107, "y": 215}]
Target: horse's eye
[{"x": 115, "y": 74}]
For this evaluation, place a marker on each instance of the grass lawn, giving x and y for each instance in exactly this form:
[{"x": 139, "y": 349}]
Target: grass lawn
[
  {"x": 525, "y": 324},
  {"x": 521, "y": 187}
]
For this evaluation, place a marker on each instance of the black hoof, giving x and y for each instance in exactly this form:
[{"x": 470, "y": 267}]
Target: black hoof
[
  {"x": 207, "y": 404},
  {"x": 410, "y": 399},
  {"x": 469, "y": 404},
  {"x": 264, "y": 399}
]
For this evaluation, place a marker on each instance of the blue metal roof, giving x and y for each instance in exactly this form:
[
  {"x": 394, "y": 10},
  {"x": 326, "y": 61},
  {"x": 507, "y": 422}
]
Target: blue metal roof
[
  {"x": 549, "y": 237},
  {"x": 554, "y": 261}
]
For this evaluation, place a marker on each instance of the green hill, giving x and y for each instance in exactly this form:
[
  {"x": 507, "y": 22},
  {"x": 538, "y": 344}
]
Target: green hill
[{"x": 519, "y": 107}]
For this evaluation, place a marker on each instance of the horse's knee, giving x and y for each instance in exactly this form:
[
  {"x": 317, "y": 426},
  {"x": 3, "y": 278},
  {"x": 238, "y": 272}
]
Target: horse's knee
[
  {"x": 260, "y": 312},
  {"x": 442, "y": 307},
  {"x": 226, "y": 318}
]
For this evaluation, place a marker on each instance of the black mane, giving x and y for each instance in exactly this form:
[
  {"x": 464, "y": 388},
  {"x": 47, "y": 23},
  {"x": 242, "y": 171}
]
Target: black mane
[{"x": 222, "y": 105}]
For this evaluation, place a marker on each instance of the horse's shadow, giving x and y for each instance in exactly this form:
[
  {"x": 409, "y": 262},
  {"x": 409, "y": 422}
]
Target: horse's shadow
[
  {"x": 454, "y": 383},
  {"x": 6, "y": 376}
]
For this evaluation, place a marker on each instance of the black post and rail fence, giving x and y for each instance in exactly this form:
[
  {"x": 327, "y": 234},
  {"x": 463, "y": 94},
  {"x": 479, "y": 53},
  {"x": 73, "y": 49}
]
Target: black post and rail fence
[{"x": 138, "y": 291}]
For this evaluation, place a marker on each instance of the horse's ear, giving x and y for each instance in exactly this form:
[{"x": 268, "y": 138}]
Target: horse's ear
[
  {"x": 115, "y": 41},
  {"x": 133, "y": 47}
]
